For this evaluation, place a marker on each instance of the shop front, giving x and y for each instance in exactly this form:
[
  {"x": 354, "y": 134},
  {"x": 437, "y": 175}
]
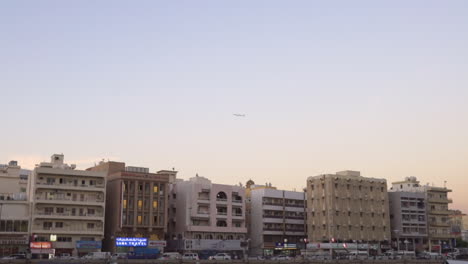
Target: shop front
[
  {"x": 286, "y": 249},
  {"x": 42, "y": 250},
  {"x": 13, "y": 244},
  {"x": 85, "y": 247}
]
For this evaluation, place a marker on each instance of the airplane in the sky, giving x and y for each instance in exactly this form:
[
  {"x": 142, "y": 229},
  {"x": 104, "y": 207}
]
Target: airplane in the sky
[{"x": 239, "y": 115}]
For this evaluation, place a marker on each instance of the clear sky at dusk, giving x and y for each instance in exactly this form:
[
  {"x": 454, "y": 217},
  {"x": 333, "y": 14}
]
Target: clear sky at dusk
[{"x": 375, "y": 86}]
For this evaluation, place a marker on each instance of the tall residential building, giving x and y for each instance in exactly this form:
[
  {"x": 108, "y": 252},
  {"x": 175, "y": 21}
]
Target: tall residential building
[
  {"x": 277, "y": 221},
  {"x": 136, "y": 203},
  {"x": 437, "y": 212},
  {"x": 207, "y": 216},
  {"x": 68, "y": 207},
  {"x": 408, "y": 216},
  {"x": 14, "y": 209},
  {"x": 346, "y": 206}
]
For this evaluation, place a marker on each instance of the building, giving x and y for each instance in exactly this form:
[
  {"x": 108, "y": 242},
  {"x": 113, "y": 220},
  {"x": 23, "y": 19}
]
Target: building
[
  {"x": 207, "y": 217},
  {"x": 136, "y": 206},
  {"x": 456, "y": 223},
  {"x": 14, "y": 209},
  {"x": 437, "y": 212},
  {"x": 68, "y": 208},
  {"x": 347, "y": 207},
  {"x": 408, "y": 218},
  {"x": 277, "y": 221}
]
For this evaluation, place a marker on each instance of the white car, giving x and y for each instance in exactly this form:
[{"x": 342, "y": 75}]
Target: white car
[
  {"x": 190, "y": 256},
  {"x": 170, "y": 255},
  {"x": 281, "y": 257},
  {"x": 221, "y": 256}
]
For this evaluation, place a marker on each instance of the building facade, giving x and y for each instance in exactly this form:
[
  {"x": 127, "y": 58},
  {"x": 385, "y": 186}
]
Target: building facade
[
  {"x": 205, "y": 216},
  {"x": 347, "y": 207},
  {"x": 14, "y": 209},
  {"x": 456, "y": 223},
  {"x": 136, "y": 205},
  {"x": 68, "y": 208},
  {"x": 437, "y": 212},
  {"x": 277, "y": 221},
  {"x": 408, "y": 217}
]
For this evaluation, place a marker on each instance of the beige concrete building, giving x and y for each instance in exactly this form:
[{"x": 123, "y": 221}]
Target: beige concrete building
[
  {"x": 136, "y": 203},
  {"x": 14, "y": 209},
  {"x": 67, "y": 207},
  {"x": 207, "y": 216},
  {"x": 347, "y": 206},
  {"x": 438, "y": 214}
]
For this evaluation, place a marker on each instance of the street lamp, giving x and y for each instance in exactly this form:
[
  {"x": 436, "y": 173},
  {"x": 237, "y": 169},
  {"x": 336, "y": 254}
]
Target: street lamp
[{"x": 406, "y": 246}]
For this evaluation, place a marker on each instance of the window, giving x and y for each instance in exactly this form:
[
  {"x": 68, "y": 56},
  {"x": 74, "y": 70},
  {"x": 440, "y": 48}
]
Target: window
[
  {"x": 91, "y": 211},
  {"x": 155, "y": 204},
  {"x": 139, "y": 219},
  {"x": 60, "y": 210},
  {"x": 48, "y": 210},
  {"x": 61, "y": 181},
  {"x": 64, "y": 239},
  {"x": 90, "y": 225},
  {"x": 92, "y": 182},
  {"x": 125, "y": 204},
  {"x": 83, "y": 182},
  {"x": 47, "y": 225},
  {"x": 155, "y": 188},
  {"x": 140, "y": 204},
  {"x": 349, "y": 213},
  {"x": 221, "y": 223},
  {"x": 362, "y": 228},
  {"x": 360, "y": 214},
  {"x": 140, "y": 187},
  {"x": 58, "y": 224}
]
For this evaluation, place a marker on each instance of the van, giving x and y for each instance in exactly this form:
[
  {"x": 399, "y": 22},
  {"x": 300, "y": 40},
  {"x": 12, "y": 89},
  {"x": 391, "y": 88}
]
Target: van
[
  {"x": 190, "y": 256},
  {"x": 170, "y": 255},
  {"x": 97, "y": 255}
]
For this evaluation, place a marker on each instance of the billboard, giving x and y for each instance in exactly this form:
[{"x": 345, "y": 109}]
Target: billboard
[
  {"x": 81, "y": 244},
  {"x": 131, "y": 242},
  {"x": 211, "y": 244},
  {"x": 40, "y": 245}
]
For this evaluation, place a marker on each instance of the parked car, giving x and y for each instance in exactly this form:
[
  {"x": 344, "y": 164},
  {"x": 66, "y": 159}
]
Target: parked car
[
  {"x": 97, "y": 255},
  {"x": 281, "y": 257},
  {"x": 66, "y": 256},
  {"x": 221, "y": 256},
  {"x": 170, "y": 255},
  {"x": 190, "y": 256},
  {"x": 16, "y": 256},
  {"x": 119, "y": 256}
]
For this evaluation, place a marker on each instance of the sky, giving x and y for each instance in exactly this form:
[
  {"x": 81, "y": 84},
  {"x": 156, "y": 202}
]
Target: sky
[{"x": 375, "y": 86}]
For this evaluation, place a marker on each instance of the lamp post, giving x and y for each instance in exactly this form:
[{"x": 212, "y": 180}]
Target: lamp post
[{"x": 406, "y": 246}]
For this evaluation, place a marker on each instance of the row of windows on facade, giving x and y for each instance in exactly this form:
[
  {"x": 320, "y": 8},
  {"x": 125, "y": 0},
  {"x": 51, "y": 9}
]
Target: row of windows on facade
[
  {"x": 142, "y": 219},
  {"x": 349, "y": 199},
  {"x": 218, "y": 236},
  {"x": 74, "y": 182},
  {"x": 349, "y": 187},
  {"x": 350, "y": 228},
  {"x": 70, "y": 196},
  {"x": 73, "y": 211},
  {"x": 349, "y": 213},
  {"x": 219, "y": 223},
  {"x": 280, "y": 227},
  {"x": 63, "y": 239},
  {"x": 220, "y": 196},
  {"x": 129, "y": 187},
  {"x": 142, "y": 204},
  {"x": 13, "y": 226},
  {"x": 283, "y": 202},
  {"x": 50, "y": 225},
  {"x": 281, "y": 214}
]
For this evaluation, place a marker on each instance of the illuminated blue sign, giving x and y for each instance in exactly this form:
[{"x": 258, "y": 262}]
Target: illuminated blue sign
[{"x": 131, "y": 242}]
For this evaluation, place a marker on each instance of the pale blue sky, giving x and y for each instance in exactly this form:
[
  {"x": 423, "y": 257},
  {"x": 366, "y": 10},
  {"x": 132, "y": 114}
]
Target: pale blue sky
[{"x": 376, "y": 86}]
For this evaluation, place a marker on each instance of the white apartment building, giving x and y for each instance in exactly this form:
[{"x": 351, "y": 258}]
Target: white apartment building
[
  {"x": 68, "y": 208},
  {"x": 439, "y": 238},
  {"x": 204, "y": 216},
  {"x": 277, "y": 221},
  {"x": 14, "y": 209}
]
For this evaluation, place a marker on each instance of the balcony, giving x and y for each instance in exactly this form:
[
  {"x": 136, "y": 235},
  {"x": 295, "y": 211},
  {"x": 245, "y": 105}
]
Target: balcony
[
  {"x": 439, "y": 200},
  {"x": 87, "y": 201},
  {"x": 77, "y": 187},
  {"x": 84, "y": 217},
  {"x": 438, "y": 223},
  {"x": 68, "y": 230},
  {"x": 439, "y": 212}
]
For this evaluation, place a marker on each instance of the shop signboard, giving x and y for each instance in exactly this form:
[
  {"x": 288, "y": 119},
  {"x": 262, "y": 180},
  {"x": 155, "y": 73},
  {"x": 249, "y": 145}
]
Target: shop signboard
[
  {"x": 81, "y": 244},
  {"x": 40, "y": 245},
  {"x": 157, "y": 243},
  {"x": 131, "y": 242}
]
